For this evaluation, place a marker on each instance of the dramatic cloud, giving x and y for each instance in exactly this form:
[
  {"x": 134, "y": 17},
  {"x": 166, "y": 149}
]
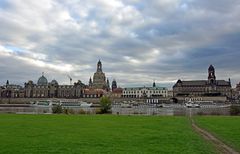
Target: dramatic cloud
[{"x": 137, "y": 41}]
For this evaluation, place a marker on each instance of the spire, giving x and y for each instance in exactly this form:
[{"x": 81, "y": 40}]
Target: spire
[
  {"x": 154, "y": 84},
  {"x": 211, "y": 68},
  {"x": 7, "y": 83},
  {"x": 108, "y": 86},
  {"x": 90, "y": 82},
  {"x": 99, "y": 66},
  {"x": 211, "y": 74}
]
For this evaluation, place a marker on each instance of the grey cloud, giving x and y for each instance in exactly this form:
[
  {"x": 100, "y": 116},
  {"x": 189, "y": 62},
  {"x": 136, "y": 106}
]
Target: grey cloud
[{"x": 189, "y": 35}]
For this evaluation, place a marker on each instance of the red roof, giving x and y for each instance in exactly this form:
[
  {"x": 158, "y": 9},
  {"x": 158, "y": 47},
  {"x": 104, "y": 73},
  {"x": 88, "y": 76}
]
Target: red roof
[
  {"x": 93, "y": 91},
  {"x": 117, "y": 90}
]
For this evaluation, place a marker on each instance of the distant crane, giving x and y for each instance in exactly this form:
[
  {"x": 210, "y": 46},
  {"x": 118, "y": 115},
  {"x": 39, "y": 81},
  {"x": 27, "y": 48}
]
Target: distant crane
[{"x": 70, "y": 79}]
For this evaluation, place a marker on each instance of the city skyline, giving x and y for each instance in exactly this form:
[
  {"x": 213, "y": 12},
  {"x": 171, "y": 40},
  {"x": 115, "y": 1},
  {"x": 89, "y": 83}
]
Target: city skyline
[{"x": 138, "y": 42}]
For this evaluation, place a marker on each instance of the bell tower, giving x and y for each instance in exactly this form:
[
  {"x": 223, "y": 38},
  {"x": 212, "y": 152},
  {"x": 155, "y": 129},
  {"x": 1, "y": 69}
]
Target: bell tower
[
  {"x": 211, "y": 75},
  {"x": 99, "y": 66},
  {"x": 99, "y": 79}
]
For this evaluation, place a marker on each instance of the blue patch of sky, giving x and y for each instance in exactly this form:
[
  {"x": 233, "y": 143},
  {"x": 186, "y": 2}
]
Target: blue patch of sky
[
  {"x": 163, "y": 29},
  {"x": 139, "y": 6},
  {"x": 224, "y": 53},
  {"x": 16, "y": 50},
  {"x": 226, "y": 45},
  {"x": 4, "y": 4}
]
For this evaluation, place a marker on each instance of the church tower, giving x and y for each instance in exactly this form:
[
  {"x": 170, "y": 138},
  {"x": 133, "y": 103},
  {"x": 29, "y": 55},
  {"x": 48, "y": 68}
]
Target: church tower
[
  {"x": 7, "y": 83},
  {"x": 108, "y": 85},
  {"x": 154, "y": 84},
  {"x": 90, "y": 82},
  {"x": 99, "y": 66},
  {"x": 114, "y": 84},
  {"x": 99, "y": 79},
  {"x": 211, "y": 75}
]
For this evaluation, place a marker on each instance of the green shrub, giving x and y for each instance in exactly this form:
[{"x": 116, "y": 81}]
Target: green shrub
[
  {"x": 200, "y": 113},
  {"x": 88, "y": 112},
  {"x": 105, "y": 104},
  {"x": 71, "y": 111},
  {"x": 215, "y": 113},
  {"x": 66, "y": 111},
  {"x": 235, "y": 110},
  {"x": 98, "y": 111},
  {"x": 57, "y": 109},
  {"x": 81, "y": 111}
]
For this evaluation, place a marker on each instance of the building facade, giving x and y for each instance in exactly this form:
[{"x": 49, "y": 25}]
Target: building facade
[
  {"x": 238, "y": 87},
  {"x": 11, "y": 91},
  {"x": 43, "y": 89},
  {"x": 99, "y": 79},
  {"x": 117, "y": 93},
  {"x": 145, "y": 92},
  {"x": 209, "y": 87},
  {"x": 93, "y": 93}
]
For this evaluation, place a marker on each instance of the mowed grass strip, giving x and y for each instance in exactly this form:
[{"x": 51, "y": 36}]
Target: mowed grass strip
[
  {"x": 226, "y": 128},
  {"x": 98, "y": 134}
]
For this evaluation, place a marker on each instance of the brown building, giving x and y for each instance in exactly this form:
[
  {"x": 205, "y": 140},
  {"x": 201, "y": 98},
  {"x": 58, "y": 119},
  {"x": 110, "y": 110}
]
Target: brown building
[
  {"x": 99, "y": 79},
  {"x": 93, "y": 93},
  {"x": 11, "y": 91},
  {"x": 43, "y": 89},
  {"x": 209, "y": 87},
  {"x": 238, "y": 87},
  {"x": 117, "y": 93}
]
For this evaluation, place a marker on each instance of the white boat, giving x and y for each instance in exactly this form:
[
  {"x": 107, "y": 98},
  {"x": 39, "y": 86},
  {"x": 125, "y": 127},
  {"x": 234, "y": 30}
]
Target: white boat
[
  {"x": 191, "y": 104},
  {"x": 70, "y": 104},
  {"x": 75, "y": 104},
  {"x": 85, "y": 104},
  {"x": 44, "y": 103},
  {"x": 63, "y": 103}
]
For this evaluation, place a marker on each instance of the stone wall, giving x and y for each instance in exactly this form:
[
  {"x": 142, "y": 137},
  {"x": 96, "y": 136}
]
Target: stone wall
[{"x": 28, "y": 100}]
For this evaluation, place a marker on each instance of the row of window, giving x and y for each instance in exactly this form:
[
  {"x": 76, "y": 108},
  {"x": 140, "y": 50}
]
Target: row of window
[
  {"x": 142, "y": 92},
  {"x": 67, "y": 87}
]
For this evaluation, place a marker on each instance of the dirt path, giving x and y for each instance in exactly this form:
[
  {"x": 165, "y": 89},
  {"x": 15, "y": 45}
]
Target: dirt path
[{"x": 221, "y": 147}]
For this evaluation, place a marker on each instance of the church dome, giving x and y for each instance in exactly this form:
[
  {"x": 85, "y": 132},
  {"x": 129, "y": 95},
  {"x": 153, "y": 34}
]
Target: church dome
[
  {"x": 42, "y": 80},
  {"x": 54, "y": 82}
]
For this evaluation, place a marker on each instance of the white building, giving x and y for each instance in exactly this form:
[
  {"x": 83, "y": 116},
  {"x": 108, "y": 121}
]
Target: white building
[{"x": 147, "y": 92}]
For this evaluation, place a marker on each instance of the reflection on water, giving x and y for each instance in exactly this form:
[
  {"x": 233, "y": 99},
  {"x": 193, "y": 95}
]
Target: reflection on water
[
  {"x": 119, "y": 109},
  {"x": 41, "y": 109}
]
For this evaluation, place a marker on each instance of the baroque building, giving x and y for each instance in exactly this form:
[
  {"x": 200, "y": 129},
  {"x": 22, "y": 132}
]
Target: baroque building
[
  {"x": 209, "y": 87},
  {"x": 99, "y": 79},
  {"x": 11, "y": 91},
  {"x": 145, "y": 92},
  {"x": 45, "y": 89},
  {"x": 238, "y": 86}
]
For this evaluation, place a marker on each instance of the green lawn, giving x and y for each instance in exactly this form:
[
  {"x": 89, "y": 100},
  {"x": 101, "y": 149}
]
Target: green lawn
[
  {"x": 98, "y": 134},
  {"x": 227, "y": 128}
]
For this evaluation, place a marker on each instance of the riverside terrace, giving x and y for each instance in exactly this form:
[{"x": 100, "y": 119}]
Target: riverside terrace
[{"x": 124, "y": 108}]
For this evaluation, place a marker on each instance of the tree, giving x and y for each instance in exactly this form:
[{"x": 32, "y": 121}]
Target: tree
[
  {"x": 235, "y": 110},
  {"x": 57, "y": 109},
  {"x": 105, "y": 104}
]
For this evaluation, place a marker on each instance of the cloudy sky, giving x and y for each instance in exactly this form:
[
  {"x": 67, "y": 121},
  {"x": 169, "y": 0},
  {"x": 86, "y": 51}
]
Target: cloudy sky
[{"x": 137, "y": 41}]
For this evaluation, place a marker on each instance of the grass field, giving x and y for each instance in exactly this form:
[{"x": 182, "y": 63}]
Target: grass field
[
  {"x": 98, "y": 134},
  {"x": 226, "y": 128}
]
